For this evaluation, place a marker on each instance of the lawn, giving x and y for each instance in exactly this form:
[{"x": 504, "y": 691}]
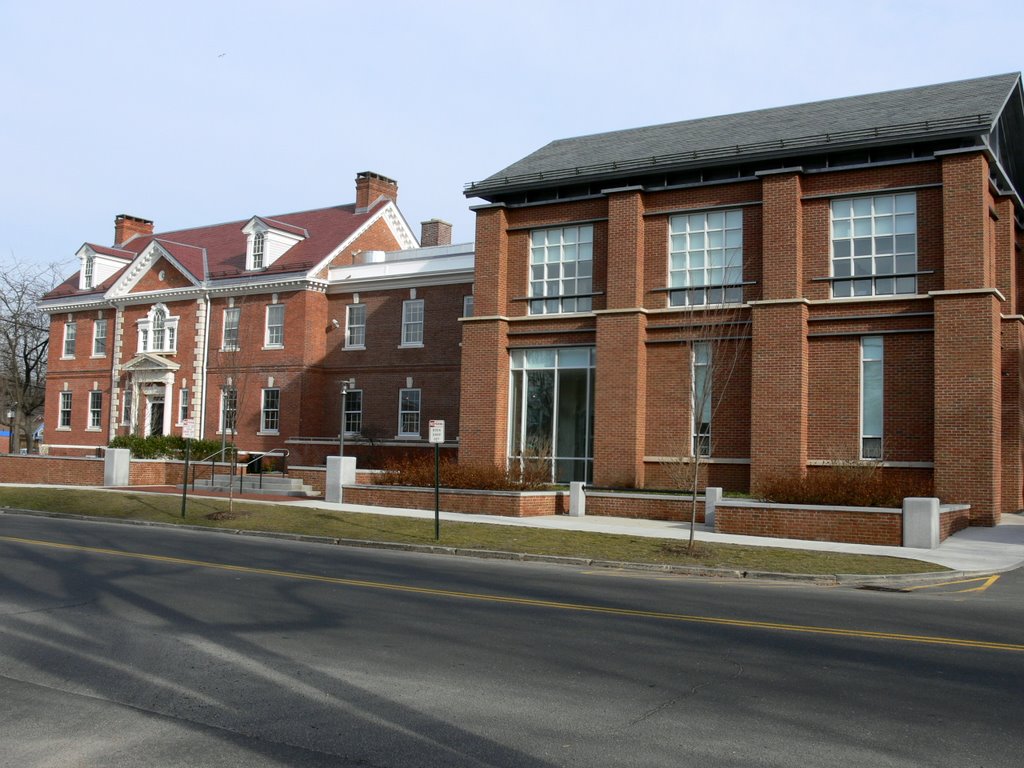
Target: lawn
[{"x": 293, "y": 518}]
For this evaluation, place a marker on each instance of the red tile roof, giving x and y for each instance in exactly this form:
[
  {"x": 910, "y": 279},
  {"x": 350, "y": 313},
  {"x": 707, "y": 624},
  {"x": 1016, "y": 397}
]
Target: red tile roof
[{"x": 218, "y": 251}]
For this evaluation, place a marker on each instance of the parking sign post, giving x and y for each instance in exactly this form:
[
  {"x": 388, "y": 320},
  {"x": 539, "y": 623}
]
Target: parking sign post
[{"x": 437, "y": 437}]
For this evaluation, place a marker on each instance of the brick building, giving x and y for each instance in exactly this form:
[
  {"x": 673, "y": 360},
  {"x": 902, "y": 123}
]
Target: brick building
[
  {"x": 826, "y": 283},
  {"x": 249, "y": 329}
]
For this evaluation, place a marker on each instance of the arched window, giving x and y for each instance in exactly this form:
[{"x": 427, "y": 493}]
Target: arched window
[
  {"x": 257, "y": 250},
  {"x": 159, "y": 329}
]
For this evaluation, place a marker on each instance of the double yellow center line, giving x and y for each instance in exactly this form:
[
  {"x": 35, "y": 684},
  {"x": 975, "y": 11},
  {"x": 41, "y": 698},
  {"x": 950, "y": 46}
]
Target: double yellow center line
[{"x": 534, "y": 603}]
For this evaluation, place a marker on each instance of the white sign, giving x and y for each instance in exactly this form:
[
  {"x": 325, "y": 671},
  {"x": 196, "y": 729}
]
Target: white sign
[
  {"x": 188, "y": 428},
  {"x": 436, "y": 430}
]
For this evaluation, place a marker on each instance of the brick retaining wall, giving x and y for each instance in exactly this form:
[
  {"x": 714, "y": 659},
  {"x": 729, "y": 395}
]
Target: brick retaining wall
[
  {"x": 847, "y": 524},
  {"x": 51, "y": 470},
  {"x": 502, "y": 503}
]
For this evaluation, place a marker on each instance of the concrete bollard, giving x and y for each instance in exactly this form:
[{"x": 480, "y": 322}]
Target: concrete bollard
[
  {"x": 117, "y": 467},
  {"x": 577, "y": 500},
  {"x": 341, "y": 471},
  {"x": 921, "y": 523},
  {"x": 712, "y": 498}
]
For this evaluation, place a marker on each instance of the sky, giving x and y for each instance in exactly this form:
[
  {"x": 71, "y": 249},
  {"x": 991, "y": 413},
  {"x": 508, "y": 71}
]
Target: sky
[{"x": 192, "y": 113}]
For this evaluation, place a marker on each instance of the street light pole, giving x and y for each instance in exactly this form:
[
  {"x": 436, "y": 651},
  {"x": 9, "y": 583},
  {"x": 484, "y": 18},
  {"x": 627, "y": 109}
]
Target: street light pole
[{"x": 346, "y": 385}]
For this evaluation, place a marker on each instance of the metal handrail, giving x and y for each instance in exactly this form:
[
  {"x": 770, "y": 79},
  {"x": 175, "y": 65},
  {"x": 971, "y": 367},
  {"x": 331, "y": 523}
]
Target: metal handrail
[
  {"x": 282, "y": 452},
  {"x": 213, "y": 464}
]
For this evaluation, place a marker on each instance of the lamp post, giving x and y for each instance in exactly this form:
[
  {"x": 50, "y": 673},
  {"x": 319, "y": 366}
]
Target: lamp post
[
  {"x": 346, "y": 385},
  {"x": 12, "y": 440}
]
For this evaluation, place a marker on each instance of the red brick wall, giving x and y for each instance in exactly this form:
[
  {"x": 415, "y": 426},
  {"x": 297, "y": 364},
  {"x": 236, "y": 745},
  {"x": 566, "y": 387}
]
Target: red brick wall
[
  {"x": 51, "y": 470},
  {"x": 480, "y": 503},
  {"x": 815, "y": 524}
]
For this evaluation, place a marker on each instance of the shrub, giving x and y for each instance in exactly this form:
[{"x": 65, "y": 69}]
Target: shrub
[
  {"x": 845, "y": 485},
  {"x": 418, "y": 472},
  {"x": 164, "y": 446}
]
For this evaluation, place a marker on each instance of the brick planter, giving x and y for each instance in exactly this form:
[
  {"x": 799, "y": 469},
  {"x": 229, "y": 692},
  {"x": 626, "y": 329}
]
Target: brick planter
[{"x": 501, "y": 503}]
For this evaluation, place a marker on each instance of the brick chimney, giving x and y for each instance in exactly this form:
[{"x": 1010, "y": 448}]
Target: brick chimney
[
  {"x": 435, "y": 232},
  {"x": 370, "y": 186},
  {"x": 126, "y": 227}
]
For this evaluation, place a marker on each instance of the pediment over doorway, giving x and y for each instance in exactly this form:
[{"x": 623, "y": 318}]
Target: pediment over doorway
[{"x": 145, "y": 362}]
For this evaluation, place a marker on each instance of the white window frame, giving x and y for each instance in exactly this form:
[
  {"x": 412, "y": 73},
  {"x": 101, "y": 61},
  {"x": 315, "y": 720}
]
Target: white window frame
[
  {"x": 354, "y": 415},
  {"x": 872, "y": 353},
  {"x": 95, "y": 410},
  {"x": 270, "y": 411},
  {"x": 413, "y": 322},
  {"x": 259, "y": 243},
  {"x": 274, "y": 335},
  {"x": 561, "y": 276},
  {"x": 705, "y": 258},
  {"x": 88, "y": 271},
  {"x": 701, "y": 393},
  {"x": 64, "y": 415},
  {"x": 158, "y": 322},
  {"x": 182, "y": 405},
  {"x": 235, "y": 313},
  {"x": 70, "y": 336},
  {"x": 99, "y": 340},
  {"x": 873, "y": 245},
  {"x": 355, "y": 332},
  {"x": 225, "y": 392},
  {"x": 127, "y": 405},
  {"x": 403, "y": 411}
]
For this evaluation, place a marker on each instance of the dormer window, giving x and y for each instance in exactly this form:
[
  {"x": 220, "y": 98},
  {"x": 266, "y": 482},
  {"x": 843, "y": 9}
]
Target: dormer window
[
  {"x": 268, "y": 240},
  {"x": 88, "y": 268},
  {"x": 158, "y": 331},
  {"x": 257, "y": 249}
]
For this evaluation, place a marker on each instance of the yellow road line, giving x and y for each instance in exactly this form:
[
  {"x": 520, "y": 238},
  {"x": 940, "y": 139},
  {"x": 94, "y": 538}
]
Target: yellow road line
[
  {"x": 534, "y": 603},
  {"x": 989, "y": 581}
]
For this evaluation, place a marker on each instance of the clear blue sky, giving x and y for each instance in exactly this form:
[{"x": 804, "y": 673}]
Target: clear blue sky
[{"x": 191, "y": 113}]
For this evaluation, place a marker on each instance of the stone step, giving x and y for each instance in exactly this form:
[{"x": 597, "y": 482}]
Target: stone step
[{"x": 272, "y": 485}]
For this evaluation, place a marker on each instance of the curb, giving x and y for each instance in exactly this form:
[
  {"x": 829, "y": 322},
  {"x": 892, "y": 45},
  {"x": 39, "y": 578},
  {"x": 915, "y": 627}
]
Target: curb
[{"x": 891, "y": 581}]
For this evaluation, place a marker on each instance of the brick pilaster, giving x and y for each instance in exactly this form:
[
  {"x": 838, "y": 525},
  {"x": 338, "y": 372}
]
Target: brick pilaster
[{"x": 782, "y": 235}]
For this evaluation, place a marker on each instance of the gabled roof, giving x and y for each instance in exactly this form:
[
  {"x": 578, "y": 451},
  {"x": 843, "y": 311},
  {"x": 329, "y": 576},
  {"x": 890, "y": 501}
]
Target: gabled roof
[
  {"x": 218, "y": 251},
  {"x": 117, "y": 253},
  {"x": 963, "y": 108}
]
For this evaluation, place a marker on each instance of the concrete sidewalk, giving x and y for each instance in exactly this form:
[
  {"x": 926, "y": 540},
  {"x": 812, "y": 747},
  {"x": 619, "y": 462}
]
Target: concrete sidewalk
[{"x": 972, "y": 550}]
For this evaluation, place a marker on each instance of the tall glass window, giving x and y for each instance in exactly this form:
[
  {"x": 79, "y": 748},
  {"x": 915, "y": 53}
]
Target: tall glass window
[
  {"x": 551, "y": 413},
  {"x": 65, "y": 411},
  {"x": 872, "y": 382},
  {"x": 561, "y": 270},
  {"x": 182, "y": 405},
  {"x": 874, "y": 243},
  {"x": 99, "y": 338},
  {"x": 271, "y": 421},
  {"x": 95, "y": 410},
  {"x": 228, "y": 409},
  {"x": 258, "y": 241},
  {"x": 70, "y": 333},
  {"x": 409, "y": 413},
  {"x": 706, "y": 258},
  {"x": 354, "y": 412},
  {"x": 88, "y": 270},
  {"x": 230, "y": 339},
  {"x": 412, "y": 323},
  {"x": 701, "y": 410}
]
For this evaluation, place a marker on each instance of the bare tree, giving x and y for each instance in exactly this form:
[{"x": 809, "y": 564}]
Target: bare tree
[{"x": 24, "y": 338}]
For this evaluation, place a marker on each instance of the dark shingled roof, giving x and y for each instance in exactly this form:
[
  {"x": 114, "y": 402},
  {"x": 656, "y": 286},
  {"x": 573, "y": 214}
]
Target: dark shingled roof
[{"x": 963, "y": 108}]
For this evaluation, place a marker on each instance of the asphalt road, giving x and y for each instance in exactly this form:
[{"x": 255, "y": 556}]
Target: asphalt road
[{"x": 128, "y": 646}]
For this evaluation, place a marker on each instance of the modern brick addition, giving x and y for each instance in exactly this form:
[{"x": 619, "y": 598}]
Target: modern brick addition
[{"x": 907, "y": 191}]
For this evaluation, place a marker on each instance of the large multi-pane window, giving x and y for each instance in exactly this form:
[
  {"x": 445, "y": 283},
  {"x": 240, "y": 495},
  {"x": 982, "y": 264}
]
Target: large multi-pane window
[
  {"x": 95, "y": 410},
  {"x": 706, "y": 258},
  {"x": 158, "y": 331},
  {"x": 701, "y": 410},
  {"x": 70, "y": 333},
  {"x": 64, "y": 420},
  {"x": 275, "y": 326},
  {"x": 551, "y": 411},
  {"x": 99, "y": 338},
  {"x": 229, "y": 340},
  {"x": 354, "y": 412},
  {"x": 88, "y": 271},
  {"x": 561, "y": 270},
  {"x": 872, "y": 382},
  {"x": 412, "y": 323},
  {"x": 355, "y": 326},
  {"x": 271, "y": 418},
  {"x": 874, "y": 245},
  {"x": 228, "y": 408},
  {"x": 409, "y": 413}
]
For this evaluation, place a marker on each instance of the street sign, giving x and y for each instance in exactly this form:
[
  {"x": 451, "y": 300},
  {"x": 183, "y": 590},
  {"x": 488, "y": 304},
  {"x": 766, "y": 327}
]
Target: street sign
[
  {"x": 436, "y": 430},
  {"x": 188, "y": 428}
]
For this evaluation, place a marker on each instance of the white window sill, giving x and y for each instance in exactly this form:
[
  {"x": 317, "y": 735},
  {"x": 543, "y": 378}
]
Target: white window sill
[
  {"x": 354, "y": 347},
  {"x": 230, "y": 432},
  {"x": 273, "y": 346},
  {"x": 66, "y": 357},
  {"x": 96, "y": 356},
  {"x": 409, "y": 437},
  {"x": 229, "y": 349},
  {"x": 411, "y": 346},
  {"x": 270, "y": 432},
  {"x": 63, "y": 429},
  {"x": 94, "y": 429}
]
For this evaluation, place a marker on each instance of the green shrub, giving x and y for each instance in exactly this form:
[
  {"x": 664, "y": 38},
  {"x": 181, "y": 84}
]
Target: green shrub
[
  {"x": 845, "y": 485},
  {"x": 418, "y": 472},
  {"x": 165, "y": 446}
]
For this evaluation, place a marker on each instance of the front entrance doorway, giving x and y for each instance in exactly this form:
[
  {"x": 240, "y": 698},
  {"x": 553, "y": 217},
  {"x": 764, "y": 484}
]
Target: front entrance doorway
[{"x": 156, "y": 415}]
